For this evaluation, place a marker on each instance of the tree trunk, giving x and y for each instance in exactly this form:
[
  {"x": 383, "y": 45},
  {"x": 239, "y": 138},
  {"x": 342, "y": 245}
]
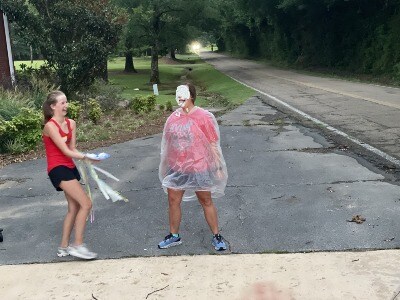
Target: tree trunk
[
  {"x": 172, "y": 51},
  {"x": 129, "y": 66},
  {"x": 102, "y": 69},
  {"x": 155, "y": 75}
]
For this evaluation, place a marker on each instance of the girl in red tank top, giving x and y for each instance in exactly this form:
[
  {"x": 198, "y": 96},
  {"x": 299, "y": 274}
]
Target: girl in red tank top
[
  {"x": 59, "y": 138},
  {"x": 54, "y": 155}
]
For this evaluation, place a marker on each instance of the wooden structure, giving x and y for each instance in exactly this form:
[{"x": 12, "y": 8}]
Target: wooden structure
[{"x": 7, "y": 77}]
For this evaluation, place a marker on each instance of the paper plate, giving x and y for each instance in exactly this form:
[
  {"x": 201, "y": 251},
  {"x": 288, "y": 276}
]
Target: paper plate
[{"x": 99, "y": 156}]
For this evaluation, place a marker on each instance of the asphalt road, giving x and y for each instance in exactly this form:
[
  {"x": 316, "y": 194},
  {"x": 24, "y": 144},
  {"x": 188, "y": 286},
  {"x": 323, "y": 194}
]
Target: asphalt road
[
  {"x": 290, "y": 189},
  {"x": 369, "y": 113}
]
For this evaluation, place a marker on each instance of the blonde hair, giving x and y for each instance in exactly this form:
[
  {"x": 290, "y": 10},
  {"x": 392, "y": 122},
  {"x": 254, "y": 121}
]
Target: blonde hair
[{"x": 51, "y": 99}]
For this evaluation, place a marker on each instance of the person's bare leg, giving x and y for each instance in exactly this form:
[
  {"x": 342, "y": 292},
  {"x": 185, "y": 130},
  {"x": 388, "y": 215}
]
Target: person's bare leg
[
  {"x": 74, "y": 190},
  {"x": 175, "y": 212},
  {"x": 210, "y": 211},
  {"x": 69, "y": 220}
]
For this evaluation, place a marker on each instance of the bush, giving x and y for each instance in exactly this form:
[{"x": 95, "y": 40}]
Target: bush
[
  {"x": 15, "y": 146},
  {"x": 161, "y": 107},
  {"x": 74, "y": 110},
  {"x": 36, "y": 83},
  {"x": 107, "y": 95},
  {"x": 168, "y": 106},
  {"x": 30, "y": 94},
  {"x": 142, "y": 104},
  {"x": 38, "y": 90},
  {"x": 23, "y": 132},
  {"x": 94, "y": 111},
  {"x": 151, "y": 103},
  {"x": 11, "y": 103}
]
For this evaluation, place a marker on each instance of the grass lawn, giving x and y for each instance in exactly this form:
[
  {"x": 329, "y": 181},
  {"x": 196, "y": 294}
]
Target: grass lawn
[
  {"x": 34, "y": 64},
  {"x": 214, "y": 88}
]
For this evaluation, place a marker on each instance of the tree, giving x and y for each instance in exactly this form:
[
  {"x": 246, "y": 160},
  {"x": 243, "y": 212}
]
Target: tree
[
  {"x": 357, "y": 36},
  {"x": 162, "y": 24},
  {"x": 74, "y": 36},
  {"x": 151, "y": 17},
  {"x": 128, "y": 38},
  {"x": 22, "y": 49}
]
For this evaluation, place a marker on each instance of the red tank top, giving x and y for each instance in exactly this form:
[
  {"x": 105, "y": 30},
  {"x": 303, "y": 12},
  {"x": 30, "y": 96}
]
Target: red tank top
[{"x": 54, "y": 155}]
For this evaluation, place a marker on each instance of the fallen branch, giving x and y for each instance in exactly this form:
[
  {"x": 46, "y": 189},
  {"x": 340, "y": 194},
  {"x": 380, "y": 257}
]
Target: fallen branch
[
  {"x": 395, "y": 296},
  {"x": 156, "y": 291}
]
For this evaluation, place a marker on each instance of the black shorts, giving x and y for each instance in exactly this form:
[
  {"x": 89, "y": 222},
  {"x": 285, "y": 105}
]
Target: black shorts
[{"x": 63, "y": 173}]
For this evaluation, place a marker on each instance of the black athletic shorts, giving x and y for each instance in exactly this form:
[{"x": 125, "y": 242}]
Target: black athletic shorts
[{"x": 63, "y": 173}]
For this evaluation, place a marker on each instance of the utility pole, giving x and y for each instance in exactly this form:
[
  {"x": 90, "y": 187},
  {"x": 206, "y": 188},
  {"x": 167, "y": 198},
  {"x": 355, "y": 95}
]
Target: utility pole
[{"x": 7, "y": 74}]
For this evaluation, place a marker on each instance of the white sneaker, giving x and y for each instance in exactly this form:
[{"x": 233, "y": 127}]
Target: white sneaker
[
  {"x": 62, "y": 251},
  {"x": 81, "y": 251}
]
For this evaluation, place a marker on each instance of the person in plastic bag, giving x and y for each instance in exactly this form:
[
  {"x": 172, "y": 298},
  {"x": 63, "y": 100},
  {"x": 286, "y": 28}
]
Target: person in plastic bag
[{"x": 192, "y": 164}]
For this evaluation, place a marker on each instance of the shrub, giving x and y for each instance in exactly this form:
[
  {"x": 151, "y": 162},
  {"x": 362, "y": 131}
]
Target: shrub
[
  {"x": 161, "y": 107},
  {"x": 94, "y": 111},
  {"x": 11, "y": 103},
  {"x": 141, "y": 104},
  {"x": 168, "y": 106},
  {"x": 106, "y": 94},
  {"x": 30, "y": 94},
  {"x": 137, "y": 104},
  {"x": 151, "y": 103},
  {"x": 74, "y": 110},
  {"x": 38, "y": 90},
  {"x": 23, "y": 132},
  {"x": 15, "y": 146},
  {"x": 36, "y": 83}
]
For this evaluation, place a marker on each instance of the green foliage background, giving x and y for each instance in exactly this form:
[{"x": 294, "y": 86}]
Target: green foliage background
[{"x": 357, "y": 36}]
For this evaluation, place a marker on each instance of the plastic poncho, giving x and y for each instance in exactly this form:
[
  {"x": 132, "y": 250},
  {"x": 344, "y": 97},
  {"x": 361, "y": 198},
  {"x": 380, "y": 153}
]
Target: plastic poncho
[{"x": 191, "y": 156}]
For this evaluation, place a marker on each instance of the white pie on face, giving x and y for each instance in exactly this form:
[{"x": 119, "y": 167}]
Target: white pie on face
[{"x": 182, "y": 94}]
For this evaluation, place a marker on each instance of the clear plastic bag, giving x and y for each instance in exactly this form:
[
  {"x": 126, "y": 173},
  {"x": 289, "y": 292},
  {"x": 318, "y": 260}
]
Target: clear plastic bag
[{"x": 191, "y": 156}]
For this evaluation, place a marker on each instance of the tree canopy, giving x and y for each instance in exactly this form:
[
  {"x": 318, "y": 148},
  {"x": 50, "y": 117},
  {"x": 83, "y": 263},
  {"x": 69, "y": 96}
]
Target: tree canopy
[
  {"x": 74, "y": 36},
  {"x": 163, "y": 26},
  {"x": 358, "y": 35}
]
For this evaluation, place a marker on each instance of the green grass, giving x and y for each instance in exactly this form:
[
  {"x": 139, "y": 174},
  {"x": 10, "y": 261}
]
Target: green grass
[
  {"x": 35, "y": 64},
  {"x": 137, "y": 84},
  {"x": 215, "y": 82},
  {"x": 213, "y": 87}
]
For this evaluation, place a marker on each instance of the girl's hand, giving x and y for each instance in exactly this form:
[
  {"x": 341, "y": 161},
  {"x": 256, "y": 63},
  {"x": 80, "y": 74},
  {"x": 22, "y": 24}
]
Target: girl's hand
[
  {"x": 88, "y": 159},
  {"x": 96, "y": 157}
]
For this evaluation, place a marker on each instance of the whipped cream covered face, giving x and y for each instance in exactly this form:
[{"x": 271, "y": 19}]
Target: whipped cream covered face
[{"x": 182, "y": 94}]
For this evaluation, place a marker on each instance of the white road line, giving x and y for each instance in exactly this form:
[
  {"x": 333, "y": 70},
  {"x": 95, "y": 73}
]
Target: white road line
[
  {"x": 338, "y": 92},
  {"x": 376, "y": 151}
]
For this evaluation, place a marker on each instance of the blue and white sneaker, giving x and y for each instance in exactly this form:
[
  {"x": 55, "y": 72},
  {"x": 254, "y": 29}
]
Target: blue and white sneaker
[
  {"x": 218, "y": 242},
  {"x": 170, "y": 241}
]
